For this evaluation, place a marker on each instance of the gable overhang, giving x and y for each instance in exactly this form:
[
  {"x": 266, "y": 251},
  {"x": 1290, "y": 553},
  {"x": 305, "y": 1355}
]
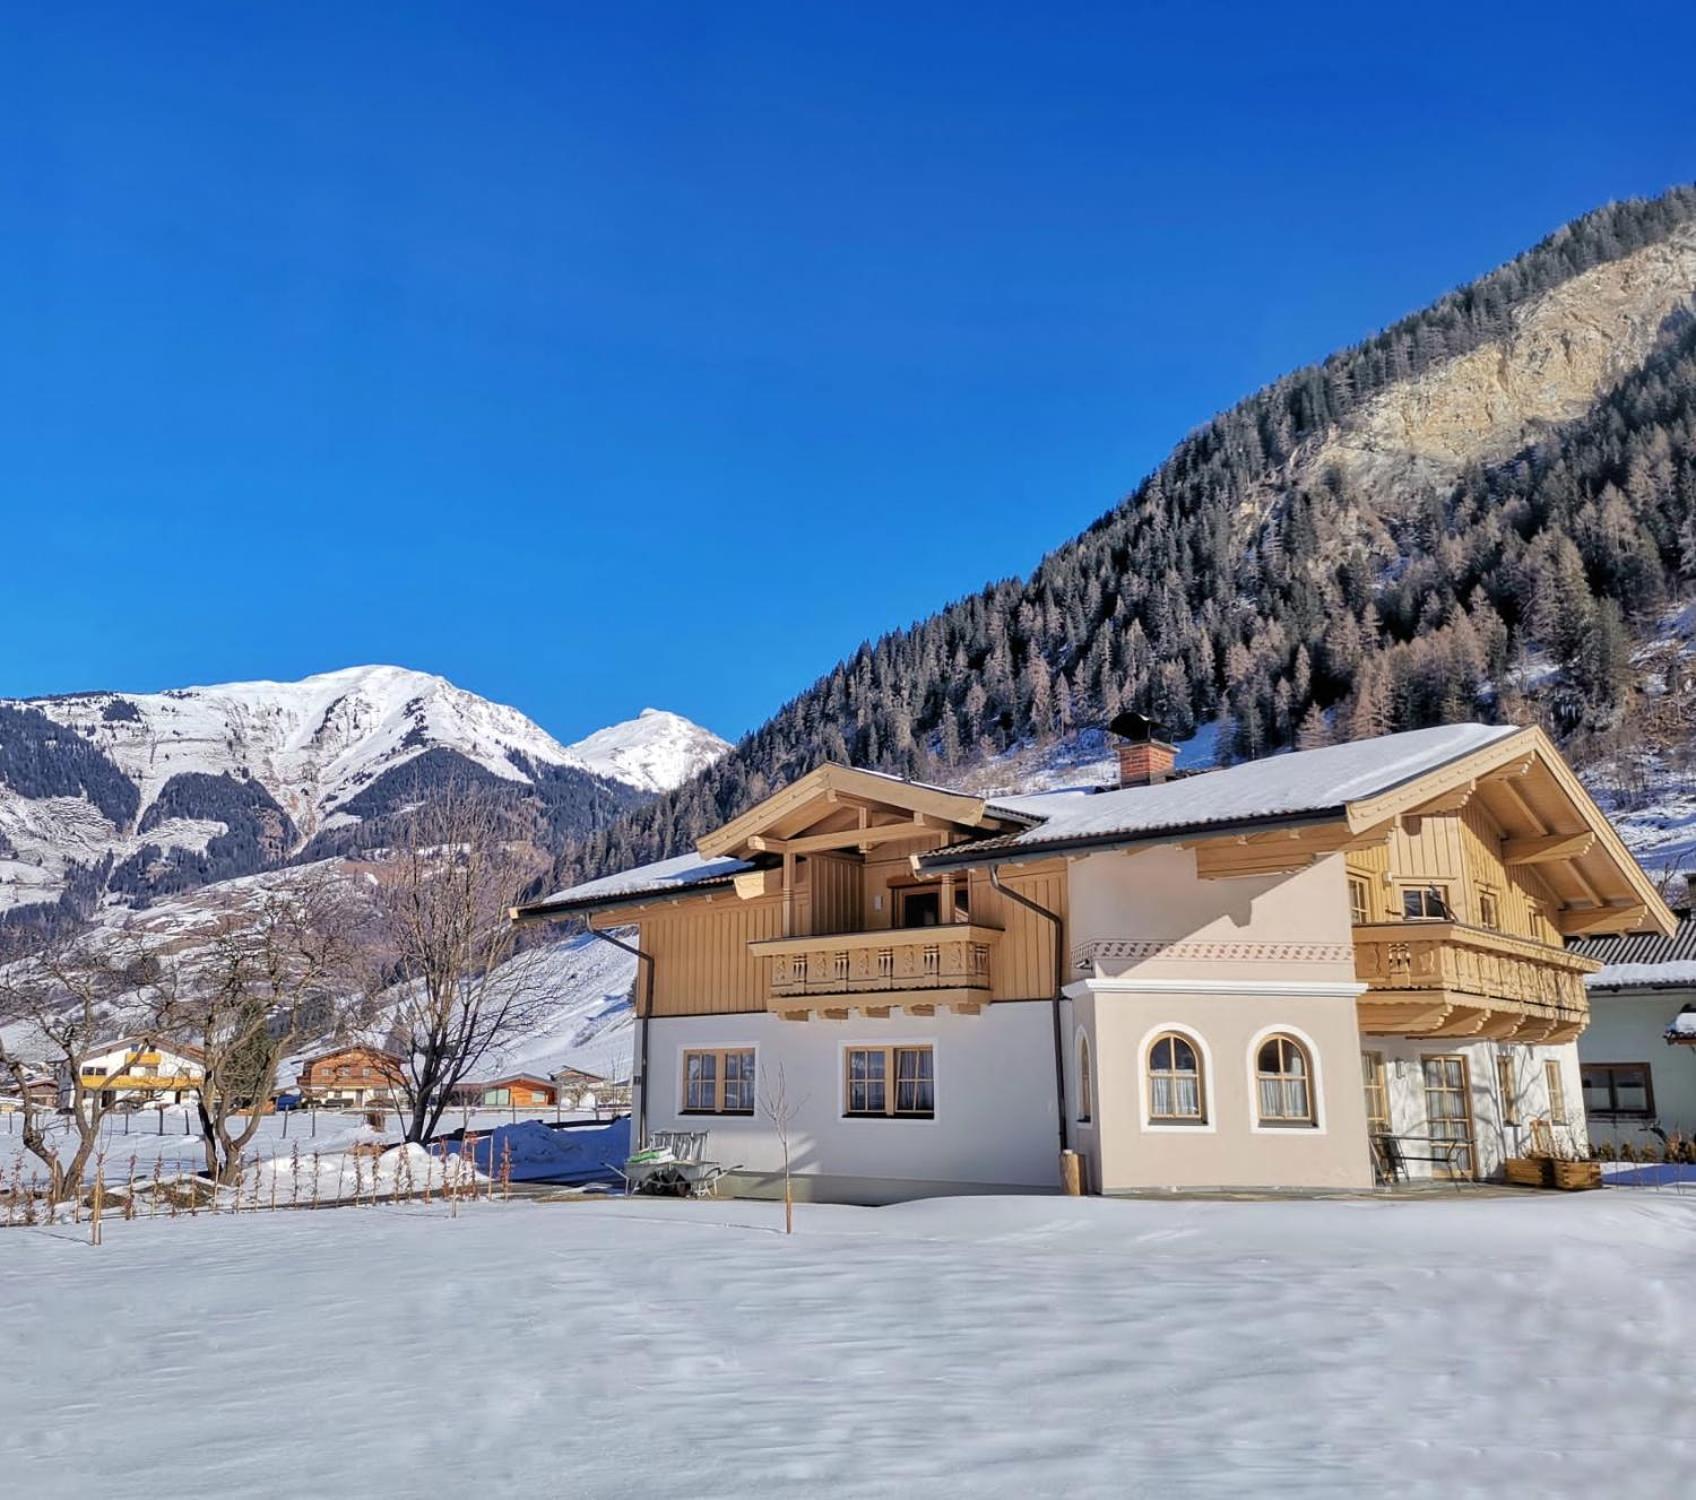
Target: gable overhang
[
  {"x": 837, "y": 807},
  {"x": 1551, "y": 828}
]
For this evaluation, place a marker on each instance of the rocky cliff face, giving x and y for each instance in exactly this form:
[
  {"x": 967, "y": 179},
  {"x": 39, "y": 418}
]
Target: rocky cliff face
[{"x": 1567, "y": 347}]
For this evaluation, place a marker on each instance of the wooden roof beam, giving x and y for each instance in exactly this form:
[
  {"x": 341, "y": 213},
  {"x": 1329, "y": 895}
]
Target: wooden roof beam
[
  {"x": 1620, "y": 917},
  {"x": 843, "y": 838},
  {"x": 1546, "y": 847}
]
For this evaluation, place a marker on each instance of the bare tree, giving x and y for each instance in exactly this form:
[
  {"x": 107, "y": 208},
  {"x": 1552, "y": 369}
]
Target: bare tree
[
  {"x": 781, "y": 1110},
  {"x": 59, "y": 1007},
  {"x": 273, "y": 973},
  {"x": 457, "y": 986}
]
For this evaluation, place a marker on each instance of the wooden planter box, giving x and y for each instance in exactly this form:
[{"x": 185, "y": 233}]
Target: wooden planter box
[
  {"x": 1576, "y": 1176},
  {"x": 1529, "y": 1171}
]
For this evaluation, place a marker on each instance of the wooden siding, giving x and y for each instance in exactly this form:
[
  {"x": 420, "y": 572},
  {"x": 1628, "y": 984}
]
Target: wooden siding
[
  {"x": 1463, "y": 852},
  {"x": 1023, "y": 965},
  {"x": 702, "y": 966},
  {"x": 836, "y": 894}
]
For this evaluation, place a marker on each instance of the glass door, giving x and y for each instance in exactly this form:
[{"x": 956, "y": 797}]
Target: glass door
[{"x": 1448, "y": 1111}]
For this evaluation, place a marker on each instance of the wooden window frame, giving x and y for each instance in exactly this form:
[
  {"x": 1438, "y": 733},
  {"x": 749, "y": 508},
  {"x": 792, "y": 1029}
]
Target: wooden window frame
[
  {"x": 891, "y": 1053},
  {"x": 1508, "y": 1088},
  {"x": 1471, "y": 1116},
  {"x": 1445, "y": 895},
  {"x": 1199, "y": 1119},
  {"x": 720, "y": 1080},
  {"x": 1285, "y": 1122},
  {"x": 1554, "y": 1086},
  {"x": 1490, "y": 908},
  {"x": 1360, "y": 901},
  {"x": 1610, "y": 1068},
  {"x": 1378, "y": 1083}
]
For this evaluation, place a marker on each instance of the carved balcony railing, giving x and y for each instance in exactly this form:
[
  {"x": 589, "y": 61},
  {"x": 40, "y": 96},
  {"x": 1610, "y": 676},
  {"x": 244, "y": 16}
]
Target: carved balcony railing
[
  {"x": 1448, "y": 979},
  {"x": 909, "y": 966}
]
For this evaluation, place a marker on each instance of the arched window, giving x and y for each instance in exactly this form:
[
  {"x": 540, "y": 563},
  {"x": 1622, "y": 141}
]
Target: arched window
[
  {"x": 1086, "y": 1083},
  {"x": 1284, "y": 1082},
  {"x": 1175, "y": 1093}
]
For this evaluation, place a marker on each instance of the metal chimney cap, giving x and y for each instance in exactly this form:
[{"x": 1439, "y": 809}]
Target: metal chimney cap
[{"x": 1137, "y": 728}]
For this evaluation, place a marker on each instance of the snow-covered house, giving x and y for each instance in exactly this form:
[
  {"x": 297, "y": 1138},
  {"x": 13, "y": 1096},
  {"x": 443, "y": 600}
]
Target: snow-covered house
[
  {"x": 1638, "y": 1055},
  {"x": 1279, "y": 974},
  {"x": 141, "y": 1070}
]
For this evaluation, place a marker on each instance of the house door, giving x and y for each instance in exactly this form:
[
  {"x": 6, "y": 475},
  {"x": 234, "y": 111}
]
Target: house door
[{"x": 1448, "y": 1111}]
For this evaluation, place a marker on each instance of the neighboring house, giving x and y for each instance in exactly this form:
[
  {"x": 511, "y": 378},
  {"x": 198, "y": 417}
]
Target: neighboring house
[
  {"x": 1638, "y": 1057},
  {"x": 42, "y": 1090},
  {"x": 352, "y": 1077},
  {"x": 1225, "y": 980},
  {"x": 140, "y": 1070},
  {"x": 583, "y": 1090},
  {"x": 516, "y": 1091}
]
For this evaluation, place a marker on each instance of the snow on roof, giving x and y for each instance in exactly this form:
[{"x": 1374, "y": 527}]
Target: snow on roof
[
  {"x": 1305, "y": 782},
  {"x": 1644, "y": 976},
  {"x": 662, "y": 875},
  {"x": 1642, "y": 960}
]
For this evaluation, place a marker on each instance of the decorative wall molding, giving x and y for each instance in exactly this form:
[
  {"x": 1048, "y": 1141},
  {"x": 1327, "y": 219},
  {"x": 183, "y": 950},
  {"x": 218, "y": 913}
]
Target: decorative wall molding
[
  {"x": 1311, "y": 989},
  {"x": 1086, "y": 956}
]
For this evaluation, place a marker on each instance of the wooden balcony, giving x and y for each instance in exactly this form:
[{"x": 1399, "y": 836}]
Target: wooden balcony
[
  {"x": 1446, "y": 979},
  {"x": 916, "y": 968}
]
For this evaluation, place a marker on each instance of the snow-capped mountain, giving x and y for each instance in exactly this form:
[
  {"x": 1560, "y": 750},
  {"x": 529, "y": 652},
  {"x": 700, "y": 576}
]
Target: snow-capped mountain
[
  {"x": 654, "y": 752},
  {"x": 135, "y": 795}
]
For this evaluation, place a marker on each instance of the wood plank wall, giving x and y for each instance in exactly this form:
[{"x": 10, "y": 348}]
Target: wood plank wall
[
  {"x": 702, "y": 965},
  {"x": 1462, "y": 850}
]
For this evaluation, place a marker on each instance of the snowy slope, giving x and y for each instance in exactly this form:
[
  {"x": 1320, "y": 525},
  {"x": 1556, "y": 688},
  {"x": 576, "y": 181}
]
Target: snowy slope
[
  {"x": 654, "y": 752},
  {"x": 227, "y": 779}
]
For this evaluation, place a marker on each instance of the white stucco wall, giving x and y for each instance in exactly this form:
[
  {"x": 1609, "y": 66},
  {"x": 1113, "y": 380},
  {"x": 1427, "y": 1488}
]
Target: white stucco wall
[
  {"x": 1492, "y": 1137},
  {"x": 995, "y": 1124},
  {"x": 1627, "y": 1028}
]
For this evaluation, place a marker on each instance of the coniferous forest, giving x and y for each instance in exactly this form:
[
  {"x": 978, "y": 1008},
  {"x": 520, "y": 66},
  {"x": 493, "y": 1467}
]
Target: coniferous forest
[{"x": 1294, "y": 610}]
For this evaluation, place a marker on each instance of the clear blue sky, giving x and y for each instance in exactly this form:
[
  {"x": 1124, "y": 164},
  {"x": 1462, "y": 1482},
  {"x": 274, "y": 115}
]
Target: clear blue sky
[{"x": 599, "y": 356}]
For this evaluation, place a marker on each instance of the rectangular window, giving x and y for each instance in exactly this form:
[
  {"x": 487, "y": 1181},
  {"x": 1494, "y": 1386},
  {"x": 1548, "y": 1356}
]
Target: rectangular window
[
  {"x": 1448, "y": 1113},
  {"x": 1360, "y": 912},
  {"x": 718, "y": 1081},
  {"x": 1489, "y": 911},
  {"x": 1622, "y": 1091},
  {"x": 918, "y": 908},
  {"x": 1510, "y": 1093},
  {"x": 1426, "y": 903},
  {"x": 1377, "y": 1092},
  {"x": 1556, "y": 1085},
  {"x": 891, "y": 1081}
]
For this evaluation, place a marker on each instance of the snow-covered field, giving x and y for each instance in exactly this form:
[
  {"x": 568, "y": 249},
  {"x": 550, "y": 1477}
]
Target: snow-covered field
[{"x": 1532, "y": 1345}]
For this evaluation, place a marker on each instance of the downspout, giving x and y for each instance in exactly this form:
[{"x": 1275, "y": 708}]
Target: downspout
[
  {"x": 645, "y": 962},
  {"x": 1053, "y": 919}
]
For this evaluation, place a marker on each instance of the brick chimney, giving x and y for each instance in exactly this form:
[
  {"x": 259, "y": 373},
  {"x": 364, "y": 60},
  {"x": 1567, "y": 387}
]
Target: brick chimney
[{"x": 1144, "y": 758}]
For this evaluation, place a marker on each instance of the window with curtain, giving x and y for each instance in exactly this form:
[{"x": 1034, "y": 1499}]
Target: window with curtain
[
  {"x": 1506, "y": 1081},
  {"x": 718, "y": 1081},
  {"x": 1086, "y": 1084},
  {"x": 1175, "y": 1091},
  {"x": 1283, "y": 1082},
  {"x": 1376, "y": 1085},
  {"x": 897, "y": 1082},
  {"x": 1556, "y": 1086}
]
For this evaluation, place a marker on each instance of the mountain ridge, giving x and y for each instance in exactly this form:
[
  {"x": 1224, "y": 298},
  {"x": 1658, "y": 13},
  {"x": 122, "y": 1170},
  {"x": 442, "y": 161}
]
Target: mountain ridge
[{"x": 133, "y": 796}]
